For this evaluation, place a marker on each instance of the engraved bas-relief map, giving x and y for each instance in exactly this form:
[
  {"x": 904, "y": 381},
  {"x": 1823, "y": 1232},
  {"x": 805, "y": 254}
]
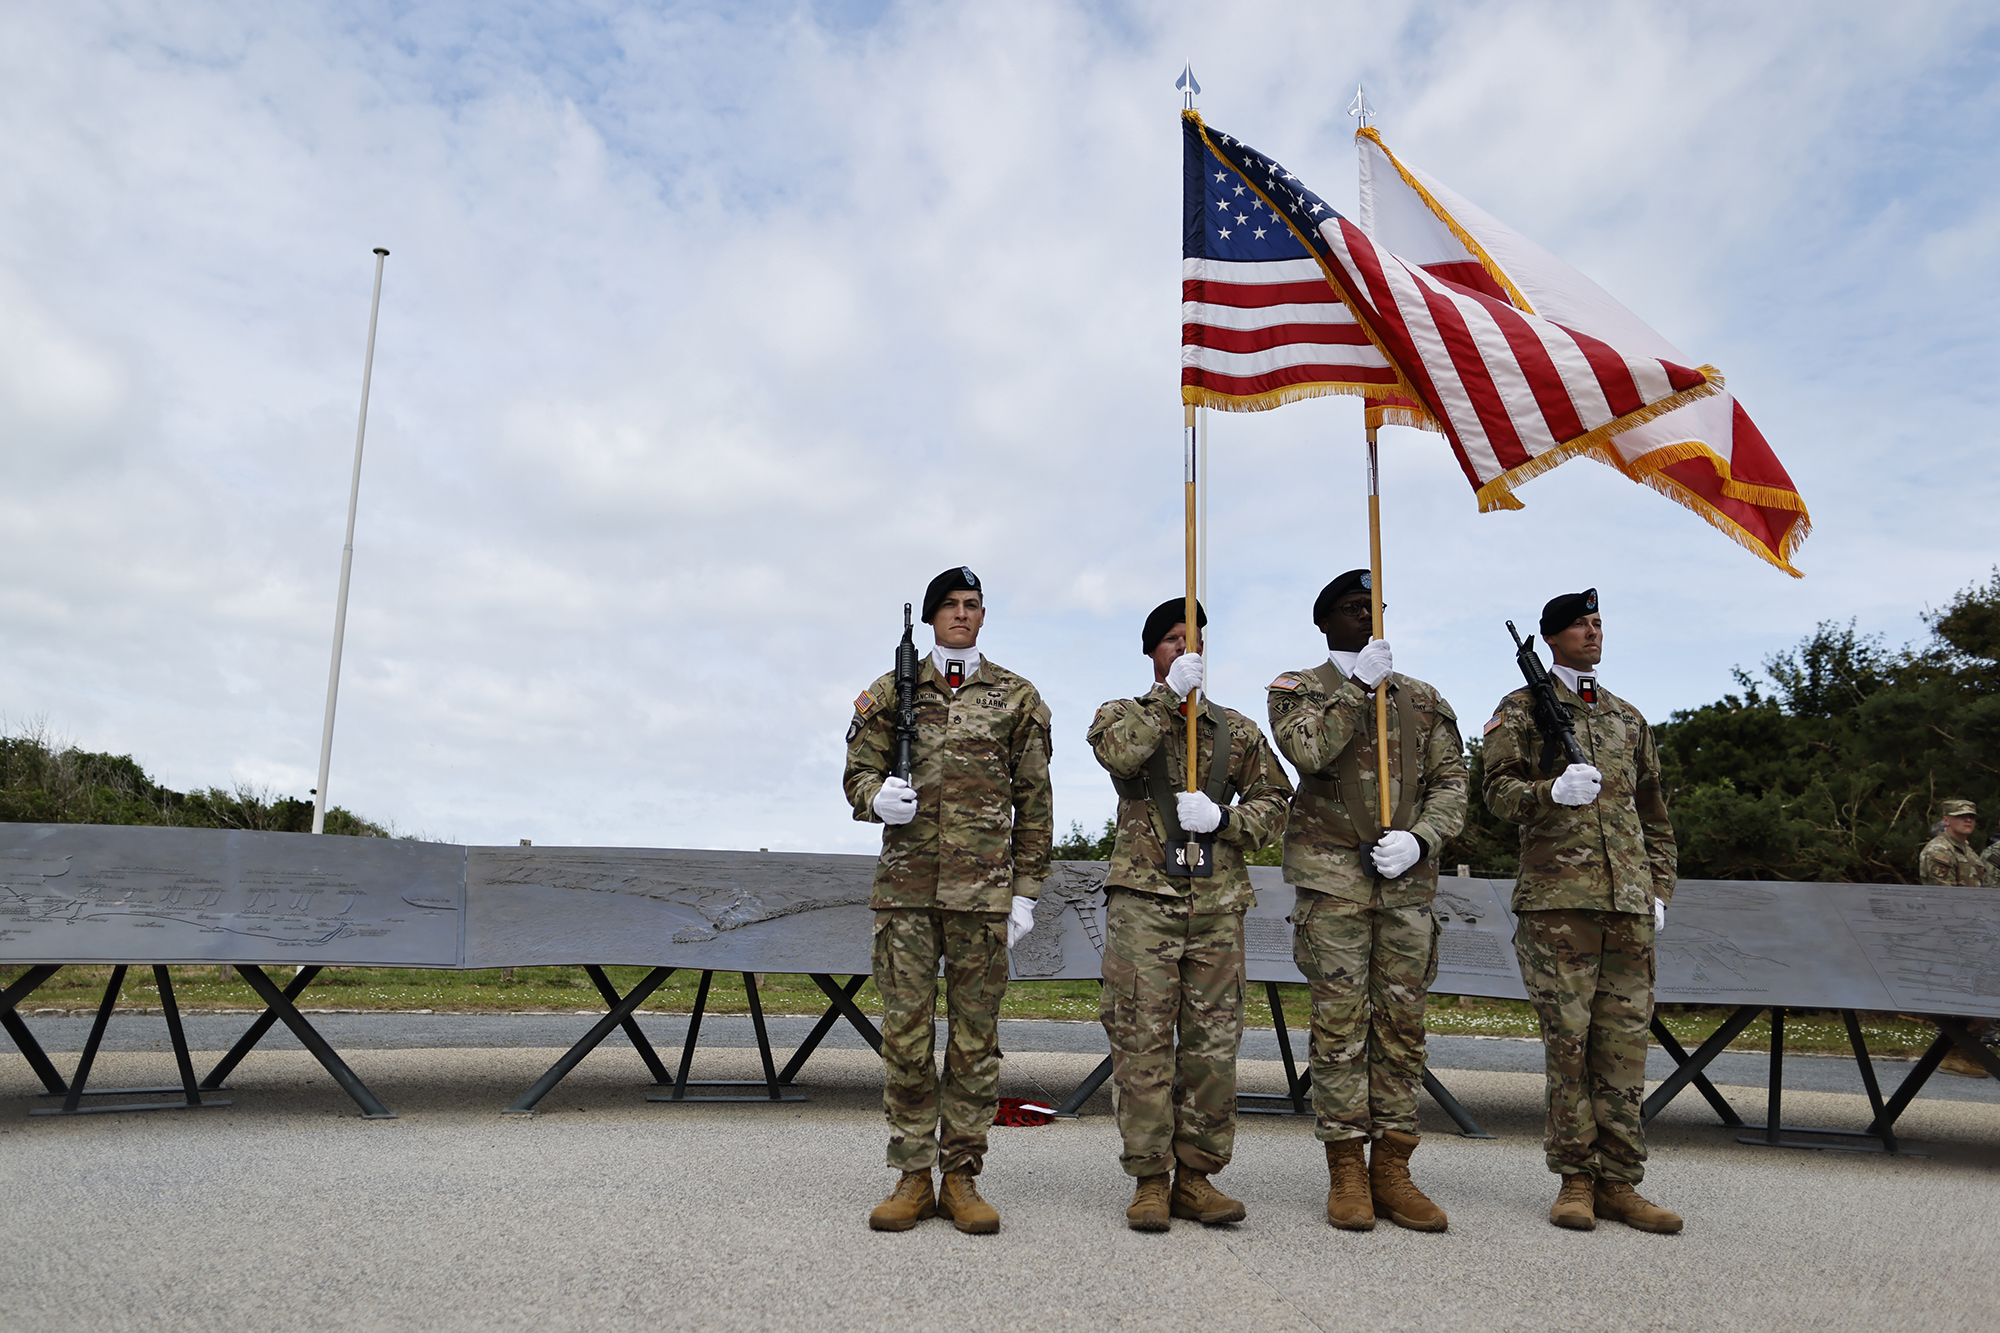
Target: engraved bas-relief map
[
  {"x": 1476, "y": 953},
  {"x": 85, "y": 893},
  {"x": 1936, "y": 949},
  {"x": 1704, "y": 953},
  {"x": 726, "y": 911}
]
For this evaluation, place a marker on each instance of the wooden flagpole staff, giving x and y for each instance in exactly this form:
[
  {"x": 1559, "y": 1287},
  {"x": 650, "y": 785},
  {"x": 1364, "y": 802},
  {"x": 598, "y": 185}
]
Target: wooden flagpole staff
[
  {"x": 1375, "y": 605},
  {"x": 1193, "y": 616}
]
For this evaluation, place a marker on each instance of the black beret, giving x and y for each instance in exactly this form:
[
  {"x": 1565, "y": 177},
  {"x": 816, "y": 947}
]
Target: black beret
[
  {"x": 1566, "y": 610},
  {"x": 1352, "y": 580},
  {"x": 1164, "y": 617},
  {"x": 946, "y": 584}
]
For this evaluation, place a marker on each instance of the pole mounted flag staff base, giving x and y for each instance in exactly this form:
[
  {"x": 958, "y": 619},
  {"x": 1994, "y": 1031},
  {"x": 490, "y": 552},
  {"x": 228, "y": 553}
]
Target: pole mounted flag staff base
[{"x": 347, "y": 557}]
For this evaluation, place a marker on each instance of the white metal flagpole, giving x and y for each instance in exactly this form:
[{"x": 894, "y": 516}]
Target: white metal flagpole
[{"x": 347, "y": 558}]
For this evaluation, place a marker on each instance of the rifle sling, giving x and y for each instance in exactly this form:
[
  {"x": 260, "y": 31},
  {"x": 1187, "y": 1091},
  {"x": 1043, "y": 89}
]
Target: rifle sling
[{"x": 1343, "y": 783}]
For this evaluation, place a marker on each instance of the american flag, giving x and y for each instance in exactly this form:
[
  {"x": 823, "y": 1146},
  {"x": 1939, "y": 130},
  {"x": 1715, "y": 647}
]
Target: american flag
[
  {"x": 1708, "y": 456},
  {"x": 1259, "y": 325},
  {"x": 1506, "y": 387}
]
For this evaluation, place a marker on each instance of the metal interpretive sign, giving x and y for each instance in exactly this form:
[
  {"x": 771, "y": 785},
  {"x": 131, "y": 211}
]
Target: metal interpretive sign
[
  {"x": 642, "y": 906},
  {"x": 74, "y": 893},
  {"x": 87, "y": 893}
]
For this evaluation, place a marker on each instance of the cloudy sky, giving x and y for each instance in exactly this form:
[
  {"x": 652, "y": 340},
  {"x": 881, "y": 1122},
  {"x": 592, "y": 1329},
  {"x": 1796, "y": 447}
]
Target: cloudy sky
[{"x": 710, "y": 334}]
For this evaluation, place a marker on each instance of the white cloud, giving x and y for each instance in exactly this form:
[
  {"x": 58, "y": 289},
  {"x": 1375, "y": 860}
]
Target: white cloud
[{"x": 710, "y": 335}]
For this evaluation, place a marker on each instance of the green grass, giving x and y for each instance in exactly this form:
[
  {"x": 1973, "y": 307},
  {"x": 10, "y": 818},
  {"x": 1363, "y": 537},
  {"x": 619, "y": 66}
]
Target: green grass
[{"x": 567, "y": 989}]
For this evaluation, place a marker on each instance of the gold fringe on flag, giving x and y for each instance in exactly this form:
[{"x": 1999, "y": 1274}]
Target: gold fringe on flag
[
  {"x": 1472, "y": 247},
  {"x": 1193, "y": 395},
  {"x": 1650, "y": 470}
]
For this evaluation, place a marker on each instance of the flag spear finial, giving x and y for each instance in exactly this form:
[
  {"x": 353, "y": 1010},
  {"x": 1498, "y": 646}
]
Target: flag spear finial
[
  {"x": 1189, "y": 88},
  {"x": 1359, "y": 107}
]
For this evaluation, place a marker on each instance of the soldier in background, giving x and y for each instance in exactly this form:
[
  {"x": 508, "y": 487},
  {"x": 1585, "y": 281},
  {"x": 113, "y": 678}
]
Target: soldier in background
[
  {"x": 1363, "y": 930},
  {"x": 1173, "y": 946},
  {"x": 1597, "y": 868},
  {"x": 1948, "y": 858},
  {"x": 1991, "y": 857},
  {"x": 963, "y": 859}
]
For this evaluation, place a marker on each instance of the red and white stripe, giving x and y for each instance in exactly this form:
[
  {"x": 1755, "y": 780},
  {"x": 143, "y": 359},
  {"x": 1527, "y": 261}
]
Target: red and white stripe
[
  {"x": 1251, "y": 329},
  {"x": 1507, "y": 386},
  {"x": 1708, "y": 455}
]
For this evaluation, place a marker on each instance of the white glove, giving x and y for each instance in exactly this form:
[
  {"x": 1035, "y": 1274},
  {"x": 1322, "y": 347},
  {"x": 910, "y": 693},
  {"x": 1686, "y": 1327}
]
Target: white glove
[
  {"x": 1397, "y": 852},
  {"x": 1576, "y": 785},
  {"x": 1184, "y": 676},
  {"x": 1020, "y": 920},
  {"x": 1197, "y": 813},
  {"x": 896, "y": 803},
  {"x": 1659, "y": 915},
  {"x": 1374, "y": 662}
]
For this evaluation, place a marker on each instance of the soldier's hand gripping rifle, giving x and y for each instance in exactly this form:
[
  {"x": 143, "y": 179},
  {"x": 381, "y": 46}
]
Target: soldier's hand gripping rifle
[
  {"x": 1551, "y": 718},
  {"x": 906, "y": 698}
]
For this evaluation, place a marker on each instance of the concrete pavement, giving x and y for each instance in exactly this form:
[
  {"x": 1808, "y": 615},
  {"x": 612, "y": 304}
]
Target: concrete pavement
[{"x": 287, "y": 1211}]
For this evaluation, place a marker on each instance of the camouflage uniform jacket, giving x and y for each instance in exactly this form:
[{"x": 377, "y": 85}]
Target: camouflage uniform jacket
[
  {"x": 1615, "y": 854},
  {"x": 1991, "y": 856},
  {"x": 1315, "y": 728},
  {"x": 985, "y": 819},
  {"x": 1949, "y": 860},
  {"x": 1125, "y": 734}
]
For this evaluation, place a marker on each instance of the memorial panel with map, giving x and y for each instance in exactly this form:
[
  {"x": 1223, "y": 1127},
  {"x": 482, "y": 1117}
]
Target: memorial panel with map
[
  {"x": 654, "y": 907},
  {"x": 87, "y": 893},
  {"x": 1935, "y": 949}
]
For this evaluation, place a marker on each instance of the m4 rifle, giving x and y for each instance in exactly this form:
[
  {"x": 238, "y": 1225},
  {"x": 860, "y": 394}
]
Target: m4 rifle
[
  {"x": 1551, "y": 718},
  {"x": 906, "y": 698}
]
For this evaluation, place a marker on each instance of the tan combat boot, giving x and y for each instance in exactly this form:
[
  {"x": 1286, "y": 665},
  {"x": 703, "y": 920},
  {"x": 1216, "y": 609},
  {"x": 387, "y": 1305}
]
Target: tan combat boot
[
  {"x": 1150, "y": 1210},
  {"x": 1348, "y": 1204},
  {"x": 910, "y": 1204},
  {"x": 1395, "y": 1196},
  {"x": 1573, "y": 1205},
  {"x": 1618, "y": 1200},
  {"x": 960, "y": 1202},
  {"x": 1195, "y": 1198}
]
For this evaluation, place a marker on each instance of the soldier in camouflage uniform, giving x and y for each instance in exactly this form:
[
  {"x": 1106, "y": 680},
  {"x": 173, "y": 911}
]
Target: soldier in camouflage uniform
[
  {"x": 1173, "y": 943},
  {"x": 1363, "y": 930},
  {"x": 1597, "y": 869},
  {"x": 963, "y": 859},
  {"x": 1991, "y": 856},
  {"x": 1948, "y": 858}
]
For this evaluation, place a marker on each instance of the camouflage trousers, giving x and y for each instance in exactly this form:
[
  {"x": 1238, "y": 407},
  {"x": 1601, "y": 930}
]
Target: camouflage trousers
[
  {"x": 1590, "y": 979},
  {"x": 908, "y": 944},
  {"x": 1369, "y": 970},
  {"x": 1169, "y": 973}
]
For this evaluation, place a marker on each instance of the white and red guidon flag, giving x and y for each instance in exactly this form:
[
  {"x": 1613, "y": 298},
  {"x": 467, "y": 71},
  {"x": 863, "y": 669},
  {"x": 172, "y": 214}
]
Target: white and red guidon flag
[
  {"x": 1506, "y": 386},
  {"x": 1707, "y": 455},
  {"x": 1259, "y": 325}
]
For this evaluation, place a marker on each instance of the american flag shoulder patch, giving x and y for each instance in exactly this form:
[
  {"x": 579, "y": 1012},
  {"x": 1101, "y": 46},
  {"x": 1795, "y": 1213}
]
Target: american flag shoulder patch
[
  {"x": 1491, "y": 723},
  {"x": 1284, "y": 683},
  {"x": 863, "y": 702}
]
